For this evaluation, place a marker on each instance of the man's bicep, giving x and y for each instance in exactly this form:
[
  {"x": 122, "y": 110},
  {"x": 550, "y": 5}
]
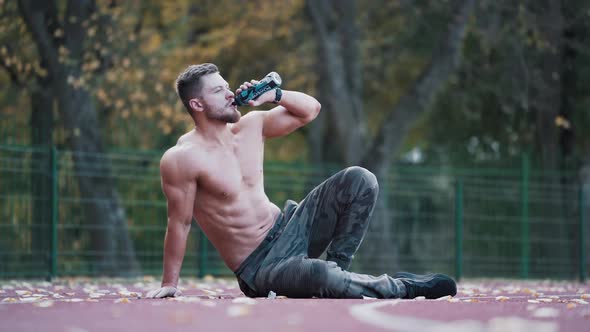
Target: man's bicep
[
  {"x": 280, "y": 122},
  {"x": 180, "y": 194},
  {"x": 180, "y": 202}
]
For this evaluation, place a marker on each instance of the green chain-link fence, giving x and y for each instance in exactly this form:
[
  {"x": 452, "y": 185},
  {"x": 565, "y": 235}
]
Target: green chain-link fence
[{"x": 512, "y": 222}]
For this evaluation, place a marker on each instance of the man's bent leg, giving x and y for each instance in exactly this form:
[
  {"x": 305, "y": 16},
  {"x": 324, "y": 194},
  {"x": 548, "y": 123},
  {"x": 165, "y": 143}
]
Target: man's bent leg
[
  {"x": 336, "y": 213},
  {"x": 340, "y": 210},
  {"x": 302, "y": 277}
]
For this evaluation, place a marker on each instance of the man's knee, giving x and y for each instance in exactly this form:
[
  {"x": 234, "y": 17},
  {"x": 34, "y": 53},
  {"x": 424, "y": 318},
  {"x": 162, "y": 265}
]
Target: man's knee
[
  {"x": 363, "y": 176},
  {"x": 296, "y": 277}
]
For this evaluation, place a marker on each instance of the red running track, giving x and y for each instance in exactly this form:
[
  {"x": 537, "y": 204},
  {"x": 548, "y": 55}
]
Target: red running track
[{"x": 78, "y": 305}]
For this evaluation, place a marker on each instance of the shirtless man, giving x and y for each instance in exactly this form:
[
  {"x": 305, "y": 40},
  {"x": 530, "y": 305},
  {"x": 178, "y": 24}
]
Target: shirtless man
[{"x": 214, "y": 175}]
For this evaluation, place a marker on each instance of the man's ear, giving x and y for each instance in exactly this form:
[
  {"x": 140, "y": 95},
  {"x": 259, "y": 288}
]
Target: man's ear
[{"x": 196, "y": 104}]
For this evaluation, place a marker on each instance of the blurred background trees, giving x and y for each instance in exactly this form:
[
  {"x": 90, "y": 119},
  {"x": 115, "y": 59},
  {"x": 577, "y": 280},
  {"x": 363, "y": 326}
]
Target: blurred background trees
[
  {"x": 454, "y": 83},
  {"x": 519, "y": 84}
]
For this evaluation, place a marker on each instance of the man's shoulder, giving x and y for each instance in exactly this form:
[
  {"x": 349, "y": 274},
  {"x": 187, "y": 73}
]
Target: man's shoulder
[
  {"x": 170, "y": 156},
  {"x": 252, "y": 122},
  {"x": 252, "y": 118},
  {"x": 177, "y": 160}
]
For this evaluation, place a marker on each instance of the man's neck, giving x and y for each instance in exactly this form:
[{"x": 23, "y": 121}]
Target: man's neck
[{"x": 213, "y": 131}]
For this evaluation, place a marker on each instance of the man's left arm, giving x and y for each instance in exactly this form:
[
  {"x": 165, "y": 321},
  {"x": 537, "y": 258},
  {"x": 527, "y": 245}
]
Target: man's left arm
[{"x": 294, "y": 110}]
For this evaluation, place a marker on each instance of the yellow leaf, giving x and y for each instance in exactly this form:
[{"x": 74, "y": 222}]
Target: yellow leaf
[
  {"x": 153, "y": 43},
  {"x": 123, "y": 300}
]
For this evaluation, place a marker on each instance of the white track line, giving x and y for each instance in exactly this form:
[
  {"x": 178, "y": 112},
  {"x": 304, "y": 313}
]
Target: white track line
[
  {"x": 368, "y": 313},
  {"x": 530, "y": 297}
]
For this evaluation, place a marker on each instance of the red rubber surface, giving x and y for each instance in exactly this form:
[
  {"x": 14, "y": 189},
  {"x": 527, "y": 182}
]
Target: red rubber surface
[{"x": 77, "y": 305}]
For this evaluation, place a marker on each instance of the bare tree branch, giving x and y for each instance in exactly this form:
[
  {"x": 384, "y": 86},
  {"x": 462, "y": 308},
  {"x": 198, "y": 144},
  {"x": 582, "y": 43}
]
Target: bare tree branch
[
  {"x": 445, "y": 61},
  {"x": 39, "y": 17},
  {"x": 340, "y": 81},
  {"x": 77, "y": 12}
]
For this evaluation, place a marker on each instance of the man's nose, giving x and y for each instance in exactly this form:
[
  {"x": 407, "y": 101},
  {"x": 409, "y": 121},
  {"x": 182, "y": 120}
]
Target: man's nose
[{"x": 230, "y": 94}]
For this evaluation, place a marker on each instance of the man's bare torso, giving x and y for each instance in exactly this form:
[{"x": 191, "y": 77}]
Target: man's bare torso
[{"x": 230, "y": 204}]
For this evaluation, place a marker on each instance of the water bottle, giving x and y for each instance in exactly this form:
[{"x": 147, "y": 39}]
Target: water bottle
[{"x": 269, "y": 82}]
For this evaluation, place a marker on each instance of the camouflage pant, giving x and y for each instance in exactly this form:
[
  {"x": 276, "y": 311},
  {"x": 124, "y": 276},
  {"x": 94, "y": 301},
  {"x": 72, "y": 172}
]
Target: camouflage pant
[{"x": 334, "y": 218}]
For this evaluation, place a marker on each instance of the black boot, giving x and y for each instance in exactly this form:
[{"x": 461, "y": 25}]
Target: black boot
[{"x": 431, "y": 286}]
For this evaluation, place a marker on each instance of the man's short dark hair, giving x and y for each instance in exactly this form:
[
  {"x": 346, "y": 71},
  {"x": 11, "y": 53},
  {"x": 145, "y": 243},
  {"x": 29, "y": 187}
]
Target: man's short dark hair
[{"x": 188, "y": 83}]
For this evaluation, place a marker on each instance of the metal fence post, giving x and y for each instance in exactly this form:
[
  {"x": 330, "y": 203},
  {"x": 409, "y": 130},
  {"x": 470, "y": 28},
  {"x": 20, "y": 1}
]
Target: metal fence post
[
  {"x": 54, "y": 211},
  {"x": 582, "y": 234},
  {"x": 459, "y": 229},
  {"x": 524, "y": 229}
]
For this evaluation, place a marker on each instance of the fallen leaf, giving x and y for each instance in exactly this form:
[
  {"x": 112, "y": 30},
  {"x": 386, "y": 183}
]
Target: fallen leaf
[
  {"x": 29, "y": 299},
  {"x": 123, "y": 300},
  {"x": 444, "y": 298},
  {"x": 9, "y": 300},
  {"x": 186, "y": 299},
  {"x": 502, "y": 298},
  {"x": 244, "y": 300},
  {"x": 570, "y": 305},
  {"x": 129, "y": 294},
  {"x": 209, "y": 292}
]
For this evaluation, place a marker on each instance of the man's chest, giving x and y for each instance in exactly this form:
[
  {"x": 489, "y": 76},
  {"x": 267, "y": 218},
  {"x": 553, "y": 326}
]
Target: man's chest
[{"x": 230, "y": 170}]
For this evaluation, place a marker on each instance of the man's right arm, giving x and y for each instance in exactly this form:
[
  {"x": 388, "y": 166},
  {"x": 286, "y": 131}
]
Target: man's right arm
[{"x": 180, "y": 191}]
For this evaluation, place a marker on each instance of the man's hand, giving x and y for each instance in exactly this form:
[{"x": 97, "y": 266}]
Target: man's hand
[
  {"x": 166, "y": 291},
  {"x": 267, "y": 97}
]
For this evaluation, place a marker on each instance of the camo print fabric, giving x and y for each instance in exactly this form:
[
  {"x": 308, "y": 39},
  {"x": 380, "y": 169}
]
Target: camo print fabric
[{"x": 333, "y": 217}]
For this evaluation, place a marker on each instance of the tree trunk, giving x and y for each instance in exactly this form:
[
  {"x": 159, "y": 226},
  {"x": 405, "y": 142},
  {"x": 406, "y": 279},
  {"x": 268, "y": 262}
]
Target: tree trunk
[
  {"x": 105, "y": 214},
  {"x": 41, "y": 136},
  {"x": 340, "y": 79},
  {"x": 548, "y": 100},
  {"x": 340, "y": 88},
  {"x": 572, "y": 32}
]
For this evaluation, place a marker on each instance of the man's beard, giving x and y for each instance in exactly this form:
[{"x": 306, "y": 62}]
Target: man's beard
[{"x": 224, "y": 114}]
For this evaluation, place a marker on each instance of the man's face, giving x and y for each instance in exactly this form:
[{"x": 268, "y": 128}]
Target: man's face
[{"x": 217, "y": 99}]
